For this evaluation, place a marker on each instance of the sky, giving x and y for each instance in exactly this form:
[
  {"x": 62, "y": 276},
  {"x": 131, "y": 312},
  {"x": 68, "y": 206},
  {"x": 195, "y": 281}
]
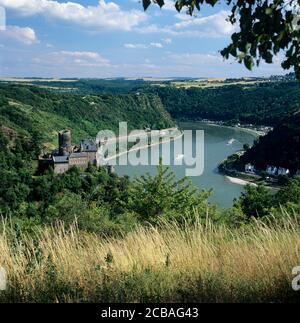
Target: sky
[{"x": 115, "y": 38}]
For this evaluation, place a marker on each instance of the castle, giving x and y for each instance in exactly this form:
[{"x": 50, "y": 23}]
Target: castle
[{"x": 69, "y": 156}]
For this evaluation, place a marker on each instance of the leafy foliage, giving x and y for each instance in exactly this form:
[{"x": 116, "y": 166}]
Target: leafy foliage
[
  {"x": 266, "y": 28},
  {"x": 256, "y": 201},
  {"x": 280, "y": 148},
  {"x": 290, "y": 193},
  {"x": 262, "y": 104},
  {"x": 99, "y": 202},
  {"x": 33, "y": 111},
  {"x": 164, "y": 197}
]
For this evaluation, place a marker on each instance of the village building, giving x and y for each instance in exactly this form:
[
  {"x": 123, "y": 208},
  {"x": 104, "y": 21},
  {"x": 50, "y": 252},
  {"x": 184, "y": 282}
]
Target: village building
[
  {"x": 277, "y": 171},
  {"x": 283, "y": 171},
  {"x": 249, "y": 168},
  {"x": 272, "y": 170}
]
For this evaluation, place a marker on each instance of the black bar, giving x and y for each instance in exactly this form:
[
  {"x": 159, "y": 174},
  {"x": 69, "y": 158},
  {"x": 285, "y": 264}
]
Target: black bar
[{"x": 147, "y": 312}]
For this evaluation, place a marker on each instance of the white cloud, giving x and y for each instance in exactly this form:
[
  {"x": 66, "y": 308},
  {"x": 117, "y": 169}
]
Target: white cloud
[
  {"x": 196, "y": 59},
  {"x": 2, "y": 19},
  {"x": 212, "y": 26},
  {"x": 143, "y": 46},
  {"x": 24, "y": 35},
  {"x": 156, "y": 45},
  {"x": 212, "y": 64},
  {"x": 135, "y": 46},
  {"x": 184, "y": 16},
  {"x": 82, "y": 58},
  {"x": 167, "y": 40},
  {"x": 104, "y": 15},
  {"x": 169, "y": 5}
]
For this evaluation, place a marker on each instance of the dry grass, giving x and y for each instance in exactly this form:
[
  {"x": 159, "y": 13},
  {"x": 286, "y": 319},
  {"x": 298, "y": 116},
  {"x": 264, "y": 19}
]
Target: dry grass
[{"x": 197, "y": 263}]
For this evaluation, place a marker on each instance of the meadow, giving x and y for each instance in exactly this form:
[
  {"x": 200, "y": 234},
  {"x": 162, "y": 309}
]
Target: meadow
[{"x": 169, "y": 263}]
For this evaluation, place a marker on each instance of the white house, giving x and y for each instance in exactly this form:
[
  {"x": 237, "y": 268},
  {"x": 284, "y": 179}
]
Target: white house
[
  {"x": 278, "y": 171},
  {"x": 249, "y": 168},
  {"x": 272, "y": 170},
  {"x": 283, "y": 171}
]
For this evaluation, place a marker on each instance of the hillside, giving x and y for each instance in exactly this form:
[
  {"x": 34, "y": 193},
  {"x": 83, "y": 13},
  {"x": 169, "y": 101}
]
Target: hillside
[
  {"x": 281, "y": 147},
  {"x": 259, "y": 103},
  {"x": 35, "y": 111}
]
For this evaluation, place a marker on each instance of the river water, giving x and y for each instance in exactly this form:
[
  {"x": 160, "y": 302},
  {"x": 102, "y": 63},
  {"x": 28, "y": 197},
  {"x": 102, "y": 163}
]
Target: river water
[{"x": 219, "y": 143}]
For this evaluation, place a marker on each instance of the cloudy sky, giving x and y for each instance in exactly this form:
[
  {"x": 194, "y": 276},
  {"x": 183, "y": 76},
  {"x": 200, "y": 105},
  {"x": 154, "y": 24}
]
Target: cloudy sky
[{"x": 115, "y": 38}]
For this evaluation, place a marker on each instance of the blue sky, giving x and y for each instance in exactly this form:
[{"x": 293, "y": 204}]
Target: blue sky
[{"x": 115, "y": 38}]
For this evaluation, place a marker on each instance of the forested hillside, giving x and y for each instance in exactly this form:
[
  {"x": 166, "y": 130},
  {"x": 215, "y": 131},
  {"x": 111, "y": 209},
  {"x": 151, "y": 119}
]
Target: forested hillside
[
  {"x": 40, "y": 112},
  {"x": 262, "y": 103},
  {"x": 281, "y": 147}
]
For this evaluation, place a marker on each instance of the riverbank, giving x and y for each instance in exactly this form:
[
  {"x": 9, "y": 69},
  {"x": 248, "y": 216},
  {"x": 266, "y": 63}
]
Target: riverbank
[
  {"x": 254, "y": 132},
  {"x": 239, "y": 181},
  {"x": 159, "y": 142}
]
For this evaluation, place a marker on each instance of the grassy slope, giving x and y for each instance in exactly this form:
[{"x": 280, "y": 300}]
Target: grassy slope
[
  {"x": 27, "y": 108},
  {"x": 171, "y": 264}
]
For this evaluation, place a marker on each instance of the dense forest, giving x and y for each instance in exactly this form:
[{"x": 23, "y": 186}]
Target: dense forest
[
  {"x": 262, "y": 103},
  {"x": 280, "y": 148},
  {"x": 93, "y": 86},
  {"x": 39, "y": 112}
]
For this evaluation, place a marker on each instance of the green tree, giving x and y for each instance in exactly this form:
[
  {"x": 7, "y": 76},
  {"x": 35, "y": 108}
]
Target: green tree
[
  {"x": 165, "y": 197},
  {"x": 256, "y": 201},
  {"x": 266, "y": 28},
  {"x": 290, "y": 192}
]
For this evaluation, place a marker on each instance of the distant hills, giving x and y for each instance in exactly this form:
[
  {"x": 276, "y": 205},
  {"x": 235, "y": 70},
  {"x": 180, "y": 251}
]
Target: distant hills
[
  {"x": 40, "y": 110},
  {"x": 284, "y": 78},
  {"x": 33, "y": 111},
  {"x": 260, "y": 103}
]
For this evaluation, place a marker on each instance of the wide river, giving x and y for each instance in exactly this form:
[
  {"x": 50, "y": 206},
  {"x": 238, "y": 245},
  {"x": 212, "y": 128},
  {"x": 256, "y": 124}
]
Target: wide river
[{"x": 219, "y": 143}]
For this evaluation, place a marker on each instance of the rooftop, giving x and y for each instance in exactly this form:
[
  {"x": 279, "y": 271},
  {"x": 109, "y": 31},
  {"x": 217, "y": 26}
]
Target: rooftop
[
  {"x": 60, "y": 159},
  {"x": 78, "y": 155},
  {"x": 88, "y": 145}
]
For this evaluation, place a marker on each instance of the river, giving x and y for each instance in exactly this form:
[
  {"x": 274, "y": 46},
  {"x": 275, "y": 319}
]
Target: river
[{"x": 219, "y": 143}]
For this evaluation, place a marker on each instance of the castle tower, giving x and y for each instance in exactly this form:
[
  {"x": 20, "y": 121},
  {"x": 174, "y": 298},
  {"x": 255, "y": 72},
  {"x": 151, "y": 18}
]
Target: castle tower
[{"x": 65, "y": 142}]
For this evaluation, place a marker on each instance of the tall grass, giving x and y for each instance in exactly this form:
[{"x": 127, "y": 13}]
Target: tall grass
[{"x": 194, "y": 263}]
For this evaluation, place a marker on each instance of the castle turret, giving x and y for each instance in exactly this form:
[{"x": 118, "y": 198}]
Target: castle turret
[{"x": 65, "y": 142}]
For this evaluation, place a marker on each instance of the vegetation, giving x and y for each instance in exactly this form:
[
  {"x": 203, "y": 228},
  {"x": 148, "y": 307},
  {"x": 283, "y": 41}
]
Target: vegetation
[
  {"x": 266, "y": 28},
  {"x": 94, "y": 236},
  {"x": 31, "y": 110},
  {"x": 162, "y": 197},
  {"x": 279, "y": 148},
  {"x": 171, "y": 263},
  {"x": 102, "y": 203},
  {"x": 262, "y": 103},
  {"x": 95, "y": 86}
]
